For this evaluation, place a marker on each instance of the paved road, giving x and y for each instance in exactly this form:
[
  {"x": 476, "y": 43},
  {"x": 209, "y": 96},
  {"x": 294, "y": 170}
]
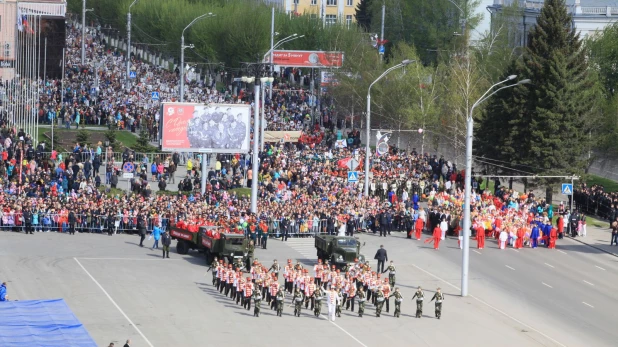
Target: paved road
[{"x": 120, "y": 291}]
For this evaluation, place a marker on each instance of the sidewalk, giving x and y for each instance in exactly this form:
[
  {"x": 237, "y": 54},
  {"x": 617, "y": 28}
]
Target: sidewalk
[{"x": 598, "y": 238}]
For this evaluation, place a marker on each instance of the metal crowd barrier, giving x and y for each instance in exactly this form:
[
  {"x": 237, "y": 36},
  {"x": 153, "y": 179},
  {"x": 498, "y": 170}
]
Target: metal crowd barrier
[{"x": 96, "y": 224}]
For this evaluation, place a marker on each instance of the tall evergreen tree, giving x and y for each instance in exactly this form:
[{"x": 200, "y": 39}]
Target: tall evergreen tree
[
  {"x": 542, "y": 128},
  {"x": 363, "y": 15}
]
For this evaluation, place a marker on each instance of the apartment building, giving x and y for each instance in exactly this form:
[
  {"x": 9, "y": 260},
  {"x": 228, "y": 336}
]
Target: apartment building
[{"x": 330, "y": 11}]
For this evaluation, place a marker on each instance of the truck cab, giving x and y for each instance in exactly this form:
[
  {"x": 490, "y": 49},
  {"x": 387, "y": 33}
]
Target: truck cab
[{"x": 338, "y": 250}]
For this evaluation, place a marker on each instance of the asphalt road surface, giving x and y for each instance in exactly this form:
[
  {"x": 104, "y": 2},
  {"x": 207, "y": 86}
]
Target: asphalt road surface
[{"x": 118, "y": 290}]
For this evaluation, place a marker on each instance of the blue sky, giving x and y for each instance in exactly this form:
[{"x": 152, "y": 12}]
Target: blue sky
[{"x": 484, "y": 25}]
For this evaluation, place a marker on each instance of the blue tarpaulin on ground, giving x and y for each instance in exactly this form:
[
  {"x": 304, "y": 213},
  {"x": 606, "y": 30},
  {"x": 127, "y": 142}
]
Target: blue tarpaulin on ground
[{"x": 34, "y": 323}]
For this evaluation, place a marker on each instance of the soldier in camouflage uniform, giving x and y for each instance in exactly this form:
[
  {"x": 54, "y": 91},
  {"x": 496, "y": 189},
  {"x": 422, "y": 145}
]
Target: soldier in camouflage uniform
[
  {"x": 279, "y": 298},
  {"x": 361, "y": 301},
  {"x": 298, "y": 302},
  {"x": 340, "y": 302},
  {"x": 257, "y": 300},
  {"x": 420, "y": 296},
  {"x": 379, "y": 302},
  {"x": 213, "y": 269},
  {"x": 318, "y": 296},
  {"x": 391, "y": 274},
  {"x": 439, "y": 297},
  {"x": 398, "y": 300}
]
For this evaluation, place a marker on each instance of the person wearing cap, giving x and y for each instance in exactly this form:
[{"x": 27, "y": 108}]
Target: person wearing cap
[
  {"x": 275, "y": 268},
  {"x": 298, "y": 302},
  {"x": 287, "y": 274},
  {"x": 279, "y": 301},
  {"x": 379, "y": 301},
  {"x": 391, "y": 274},
  {"x": 331, "y": 300},
  {"x": 166, "y": 241},
  {"x": 213, "y": 269},
  {"x": 248, "y": 294},
  {"x": 219, "y": 273},
  {"x": 317, "y": 269},
  {"x": 361, "y": 302},
  {"x": 386, "y": 289},
  {"x": 310, "y": 288},
  {"x": 257, "y": 300},
  {"x": 439, "y": 297},
  {"x": 398, "y": 300},
  {"x": 420, "y": 296},
  {"x": 240, "y": 289}
]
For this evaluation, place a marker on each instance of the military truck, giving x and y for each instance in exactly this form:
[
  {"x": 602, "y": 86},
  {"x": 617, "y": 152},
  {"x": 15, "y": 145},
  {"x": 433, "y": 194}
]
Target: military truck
[
  {"x": 186, "y": 239},
  {"x": 230, "y": 247},
  {"x": 339, "y": 250}
]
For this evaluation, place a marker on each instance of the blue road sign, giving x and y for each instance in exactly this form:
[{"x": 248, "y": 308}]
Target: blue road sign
[
  {"x": 93, "y": 90},
  {"x": 128, "y": 167},
  {"x": 567, "y": 189},
  {"x": 381, "y": 49},
  {"x": 155, "y": 95},
  {"x": 352, "y": 176},
  {"x": 132, "y": 74}
]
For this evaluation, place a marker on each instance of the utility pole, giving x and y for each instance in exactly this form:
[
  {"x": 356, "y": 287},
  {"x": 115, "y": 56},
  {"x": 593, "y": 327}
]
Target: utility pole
[
  {"x": 129, "y": 45},
  {"x": 380, "y": 46},
  {"x": 83, "y": 32},
  {"x": 272, "y": 48}
]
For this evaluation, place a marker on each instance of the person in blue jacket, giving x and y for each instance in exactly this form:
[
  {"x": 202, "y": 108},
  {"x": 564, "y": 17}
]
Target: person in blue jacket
[
  {"x": 3, "y": 296},
  {"x": 156, "y": 233}
]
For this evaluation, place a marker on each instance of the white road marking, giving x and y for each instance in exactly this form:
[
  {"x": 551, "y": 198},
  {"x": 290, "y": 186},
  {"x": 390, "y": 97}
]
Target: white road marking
[
  {"x": 563, "y": 252},
  {"x": 342, "y": 329},
  {"x": 514, "y": 250},
  {"x": 588, "y": 283},
  {"x": 547, "y": 285},
  {"x": 493, "y": 308},
  {"x": 600, "y": 267},
  {"x": 475, "y": 251},
  {"x": 140, "y": 259},
  {"x": 551, "y": 266},
  {"x": 587, "y": 304},
  {"x": 509, "y": 267},
  {"x": 113, "y": 302}
]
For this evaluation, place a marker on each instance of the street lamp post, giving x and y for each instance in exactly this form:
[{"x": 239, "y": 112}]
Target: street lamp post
[
  {"x": 272, "y": 49},
  {"x": 129, "y": 45},
  {"x": 264, "y": 80},
  {"x": 468, "y": 180},
  {"x": 182, "y": 55},
  {"x": 368, "y": 115}
]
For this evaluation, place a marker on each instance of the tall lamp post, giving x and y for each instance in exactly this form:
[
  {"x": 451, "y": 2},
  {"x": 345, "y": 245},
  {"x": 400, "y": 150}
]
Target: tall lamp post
[
  {"x": 468, "y": 179},
  {"x": 270, "y": 81},
  {"x": 368, "y": 115},
  {"x": 129, "y": 45},
  {"x": 259, "y": 71},
  {"x": 182, "y": 55}
]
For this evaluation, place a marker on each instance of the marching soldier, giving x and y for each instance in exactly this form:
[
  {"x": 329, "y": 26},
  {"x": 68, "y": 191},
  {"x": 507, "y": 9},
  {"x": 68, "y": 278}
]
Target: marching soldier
[
  {"x": 230, "y": 278},
  {"x": 287, "y": 276},
  {"x": 317, "y": 297},
  {"x": 224, "y": 278},
  {"x": 391, "y": 274},
  {"x": 257, "y": 300},
  {"x": 213, "y": 269},
  {"x": 439, "y": 297},
  {"x": 219, "y": 273},
  {"x": 361, "y": 302},
  {"x": 351, "y": 296},
  {"x": 240, "y": 288},
  {"x": 274, "y": 289},
  {"x": 379, "y": 301},
  {"x": 275, "y": 268},
  {"x": 309, "y": 290},
  {"x": 386, "y": 290},
  {"x": 420, "y": 296},
  {"x": 339, "y": 302},
  {"x": 248, "y": 291},
  {"x": 398, "y": 300},
  {"x": 298, "y": 302},
  {"x": 279, "y": 301}
]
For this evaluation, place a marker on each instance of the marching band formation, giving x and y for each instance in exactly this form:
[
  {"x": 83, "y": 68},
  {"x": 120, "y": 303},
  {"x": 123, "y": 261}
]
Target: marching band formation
[{"x": 337, "y": 288}]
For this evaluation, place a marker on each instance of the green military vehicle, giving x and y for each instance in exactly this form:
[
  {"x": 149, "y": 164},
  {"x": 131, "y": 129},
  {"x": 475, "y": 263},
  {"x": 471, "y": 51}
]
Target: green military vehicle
[
  {"x": 230, "y": 247},
  {"x": 339, "y": 250}
]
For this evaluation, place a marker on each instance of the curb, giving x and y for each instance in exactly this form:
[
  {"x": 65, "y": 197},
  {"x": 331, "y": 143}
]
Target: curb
[{"x": 595, "y": 247}]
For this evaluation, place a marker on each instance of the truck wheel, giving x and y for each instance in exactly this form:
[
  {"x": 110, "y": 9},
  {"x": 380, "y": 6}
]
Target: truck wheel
[{"x": 182, "y": 247}]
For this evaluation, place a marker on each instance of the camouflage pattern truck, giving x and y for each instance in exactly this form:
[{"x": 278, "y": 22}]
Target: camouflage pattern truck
[{"x": 339, "y": 250}]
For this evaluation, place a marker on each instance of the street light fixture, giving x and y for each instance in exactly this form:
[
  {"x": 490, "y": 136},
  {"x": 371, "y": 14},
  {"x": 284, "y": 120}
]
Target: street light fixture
[
  {"x": 468, "y": 179},
  {"x": 272, "y": 49},
  {"x": 182, "y": 55},
  {"x": 404, "y": 63}
]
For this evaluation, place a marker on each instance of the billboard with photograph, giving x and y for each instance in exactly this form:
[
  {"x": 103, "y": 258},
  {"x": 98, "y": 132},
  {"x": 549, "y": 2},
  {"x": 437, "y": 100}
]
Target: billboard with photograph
[
  {"x": 314, "y": 59},
  {"x": 215, "y": 128}
]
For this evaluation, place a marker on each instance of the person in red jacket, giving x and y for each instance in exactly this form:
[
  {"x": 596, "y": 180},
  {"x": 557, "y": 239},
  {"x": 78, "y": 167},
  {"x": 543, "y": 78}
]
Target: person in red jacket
[
  {"x": 560, "y": 225},
  {"x": 437, "y": 235},
  {"x": 480, "y": 236},
  {"x": 553, "y": 236},
  {"x": 418, "y": 227}
]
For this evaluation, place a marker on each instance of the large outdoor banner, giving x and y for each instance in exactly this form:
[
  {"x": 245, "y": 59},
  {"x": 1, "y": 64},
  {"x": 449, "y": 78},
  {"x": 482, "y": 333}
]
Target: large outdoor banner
[
  {"x": 314, "y": 59},
  {"x": 282, "y": 136},
  {"x": 219, "y": 128}
]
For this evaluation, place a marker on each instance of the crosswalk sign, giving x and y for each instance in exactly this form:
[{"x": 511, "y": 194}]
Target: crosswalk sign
[
  {"x": 567, "y": 189},
  {"x": 381, "y": 49},
  {"x": 93, "y": 90},
  {"x": 132, "y": 74},
  {"x": 155, "y": 95},
  {"x": 352, "y": 176}
]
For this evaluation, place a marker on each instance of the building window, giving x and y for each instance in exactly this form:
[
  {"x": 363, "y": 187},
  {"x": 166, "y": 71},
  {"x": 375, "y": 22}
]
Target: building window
[
  {"x": 348, "y": 20},
  {"x": 331, "y": 2},
  {"x": 313, "y": 16},
  {"x": 350, "y": 2},
  {"x": 7, "y": 50},
  {"x": 331, "y": 19},
  {"x": 314, "y": 2}
]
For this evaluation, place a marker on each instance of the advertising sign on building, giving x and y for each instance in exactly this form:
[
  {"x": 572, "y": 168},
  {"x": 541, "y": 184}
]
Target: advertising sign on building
[{"x": 312, "y": 59}]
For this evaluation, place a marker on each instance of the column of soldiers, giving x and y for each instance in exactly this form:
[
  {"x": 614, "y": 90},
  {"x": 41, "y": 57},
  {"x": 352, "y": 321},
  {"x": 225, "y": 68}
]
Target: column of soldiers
[{"x": 355, "y": 282}]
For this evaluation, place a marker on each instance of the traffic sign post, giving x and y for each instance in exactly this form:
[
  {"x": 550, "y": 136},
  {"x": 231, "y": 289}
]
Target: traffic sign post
[
  {"x": 128, "y": 167},
  {"x": 132, "y": 74},
  {"x": 567, "y": 188},
  {"x": 381, "y": 49},
  {"x": 155, "y": 96},
  {"x": 352, "y": 176}
]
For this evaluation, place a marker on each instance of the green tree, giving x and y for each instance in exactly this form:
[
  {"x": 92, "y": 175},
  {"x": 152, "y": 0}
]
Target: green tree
[
  {"x": 110, "y": 136},
  {"x": 142, "y": 145},
  {"x": 603, "y": 53},
  {"x": 83, "y": 137},
  {"x": 549, "y": 120},
  {"x": 363, "y": 14}
]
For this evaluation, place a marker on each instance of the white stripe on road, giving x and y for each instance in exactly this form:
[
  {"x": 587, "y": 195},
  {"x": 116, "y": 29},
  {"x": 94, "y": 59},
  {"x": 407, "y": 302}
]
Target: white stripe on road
[
  {"x": 493, "y": 308},
  {"x": 588, "y": 283},
  {"x": 600, "y": 267},
  {"x": 563, "y": 252},
  {"x": 547, "y": 285},
  {"x": 587, "y": 304},
  {"x": 115, "y": 304},
  {"x": 514, "y": 250},
  {"x": 475, "y": 251},
  {"x": 509, "y": 267},
  {"x": 141, "y": 259},
  {"x": 551, "y": 266}
]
